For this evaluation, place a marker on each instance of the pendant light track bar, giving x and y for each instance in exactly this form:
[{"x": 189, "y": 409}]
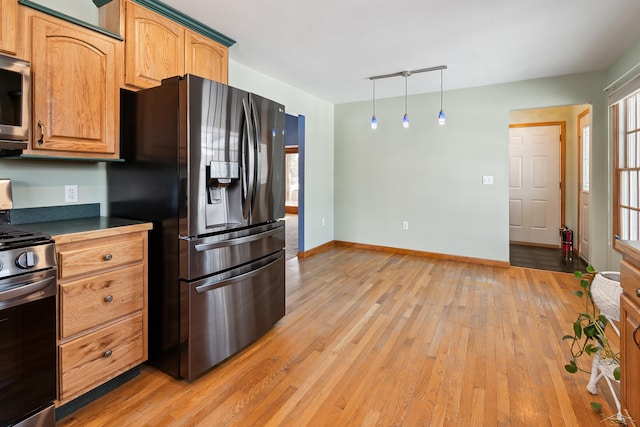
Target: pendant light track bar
[{"x": 407, "y": 73}]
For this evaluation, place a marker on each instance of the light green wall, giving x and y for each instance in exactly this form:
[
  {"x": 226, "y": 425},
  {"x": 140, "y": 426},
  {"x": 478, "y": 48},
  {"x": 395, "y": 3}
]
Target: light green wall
[
  {"x": 620, "y": 70},
  {"x": 431, "y": 176},
  {"x": 319, "y": 151}
]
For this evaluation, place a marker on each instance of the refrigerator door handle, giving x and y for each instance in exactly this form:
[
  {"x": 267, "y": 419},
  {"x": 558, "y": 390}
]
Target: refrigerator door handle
[
  {"x": 206, "y": 287},
  {"x": 256, "y": 149},
  {"x": 239, "y": 241},
  {"x": 248, "y": 163}
]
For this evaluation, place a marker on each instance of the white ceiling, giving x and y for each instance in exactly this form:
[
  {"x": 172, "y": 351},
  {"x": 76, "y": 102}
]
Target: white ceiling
[{"x": 328, "y": 48}]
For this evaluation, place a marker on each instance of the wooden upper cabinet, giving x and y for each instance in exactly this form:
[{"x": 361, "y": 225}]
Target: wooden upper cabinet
[
  {"x": 8, "y": 26},
  {"x": 206, "y": 58},
  {"x": 76, "y": 99},
  {"x": 154, "y": 47}
]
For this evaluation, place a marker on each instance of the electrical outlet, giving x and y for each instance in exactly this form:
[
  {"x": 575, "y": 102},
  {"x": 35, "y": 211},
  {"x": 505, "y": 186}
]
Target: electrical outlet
[
  {"x": 70, "y": 193},
  {"x": 323, "y": 222},
  {"x": 405, "y": 225},
  {"x": 487, "y": 179}
]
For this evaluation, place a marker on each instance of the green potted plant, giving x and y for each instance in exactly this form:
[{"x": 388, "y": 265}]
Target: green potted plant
[{"x": 589, "y": 337}]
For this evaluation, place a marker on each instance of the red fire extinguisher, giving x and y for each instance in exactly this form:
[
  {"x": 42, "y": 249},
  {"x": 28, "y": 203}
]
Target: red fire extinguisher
[{"x": 567, "y": 242}]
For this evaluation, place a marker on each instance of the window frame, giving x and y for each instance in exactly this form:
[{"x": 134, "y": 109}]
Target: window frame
[{"x": 619, "y": 116}]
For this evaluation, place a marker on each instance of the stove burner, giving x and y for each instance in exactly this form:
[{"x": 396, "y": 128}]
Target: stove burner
[{"x": 12, "y": 236}]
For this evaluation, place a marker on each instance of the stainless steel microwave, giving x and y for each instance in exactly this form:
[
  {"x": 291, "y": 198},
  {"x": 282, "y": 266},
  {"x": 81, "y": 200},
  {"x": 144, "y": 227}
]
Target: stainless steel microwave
[{"x": 15, "y": 103}]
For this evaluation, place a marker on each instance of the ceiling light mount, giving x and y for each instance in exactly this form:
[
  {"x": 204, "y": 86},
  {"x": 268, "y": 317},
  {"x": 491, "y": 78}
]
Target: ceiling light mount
[{"x": 408, "y": 73}]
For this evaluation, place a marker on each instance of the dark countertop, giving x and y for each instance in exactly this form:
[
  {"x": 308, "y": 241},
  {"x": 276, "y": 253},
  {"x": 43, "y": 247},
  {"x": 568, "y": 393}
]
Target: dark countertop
[{"x": 79, "y": 225}]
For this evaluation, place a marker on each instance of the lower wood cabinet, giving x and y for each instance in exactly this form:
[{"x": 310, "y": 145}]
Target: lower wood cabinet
[
  {"x": 630, "y": 356},
  {"x": 98, "y": 356},
  {"x": 630, "y": 329},
  {"x": 102, "y": 316}
]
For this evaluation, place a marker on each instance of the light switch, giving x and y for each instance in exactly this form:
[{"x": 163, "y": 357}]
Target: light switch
[{"x": 487, "y": 179}]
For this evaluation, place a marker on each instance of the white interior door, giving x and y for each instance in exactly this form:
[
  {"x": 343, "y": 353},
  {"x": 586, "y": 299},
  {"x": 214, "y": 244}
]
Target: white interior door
[
  {"x": 534, "y": 185},
  {"x": 583, "y": 194}
]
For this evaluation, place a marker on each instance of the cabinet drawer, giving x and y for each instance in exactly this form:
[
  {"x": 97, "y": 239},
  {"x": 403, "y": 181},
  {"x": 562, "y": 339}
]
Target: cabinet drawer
[
  {"x": 630, "y": 281},
  {"x": 95, "y": 255},
  {"x": 88, "y": 302},
  {"x": 99, "y": 356}
]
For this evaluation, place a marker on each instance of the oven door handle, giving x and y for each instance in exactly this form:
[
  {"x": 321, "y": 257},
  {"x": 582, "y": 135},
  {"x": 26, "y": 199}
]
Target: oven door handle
[
  {"x": 238, "y": 241},
  {"x": 30, "y": 292}
]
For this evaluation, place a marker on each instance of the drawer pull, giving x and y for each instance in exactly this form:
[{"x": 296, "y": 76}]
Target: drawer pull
[
  {"x": 635, "y": 336},
  {"x": 108, "y": 298},
  {"x": 108, "y": 353},
  {"x": 107, "y": 257},
  {"x": 638, "y": 292}
]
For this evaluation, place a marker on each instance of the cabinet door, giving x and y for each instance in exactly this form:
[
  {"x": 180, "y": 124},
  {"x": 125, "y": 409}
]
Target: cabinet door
[
  {"x": 154, "y": 48},
  {"x": 630, "y": 357},
  {"x": 8, "y": 26},
  {"x": 205, "y": 58},
  {"x": 76, "y": 97}
]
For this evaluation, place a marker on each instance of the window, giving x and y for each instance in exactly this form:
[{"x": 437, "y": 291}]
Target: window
[
  {"x": 626, "y": 134},
  {"x": 291, "y": 182},
  {"x": 586, "y": 157}
]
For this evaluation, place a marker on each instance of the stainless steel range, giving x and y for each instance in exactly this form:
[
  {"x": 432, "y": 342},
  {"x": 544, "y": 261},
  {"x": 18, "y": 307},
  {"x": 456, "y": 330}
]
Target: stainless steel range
[{"x": 28, "y": 275}]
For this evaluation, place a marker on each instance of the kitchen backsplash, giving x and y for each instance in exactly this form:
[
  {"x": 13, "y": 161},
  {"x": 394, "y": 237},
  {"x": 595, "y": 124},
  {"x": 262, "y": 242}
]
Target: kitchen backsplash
[{"x": 54, "y": 213}]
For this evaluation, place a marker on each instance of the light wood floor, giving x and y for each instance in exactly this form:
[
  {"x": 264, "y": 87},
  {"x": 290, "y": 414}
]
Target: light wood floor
[{"x": 377, "y": 339}]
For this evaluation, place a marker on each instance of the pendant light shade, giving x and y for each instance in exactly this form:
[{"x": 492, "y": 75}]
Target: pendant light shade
[
  {"x": 374, "y": 121},
  {"x": 441, "y": 116},
  {"x": 405, "y": 118}
]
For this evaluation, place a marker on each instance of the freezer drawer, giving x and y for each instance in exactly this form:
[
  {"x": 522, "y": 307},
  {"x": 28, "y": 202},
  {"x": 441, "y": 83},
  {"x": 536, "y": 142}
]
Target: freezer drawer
[
  {"x": 228, "y": 311},
  {"x": 200, "y": 257}
]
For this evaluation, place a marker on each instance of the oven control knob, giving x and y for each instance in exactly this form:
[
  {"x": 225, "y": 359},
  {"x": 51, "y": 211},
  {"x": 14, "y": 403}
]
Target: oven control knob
[{"x": 27, "y": 260}]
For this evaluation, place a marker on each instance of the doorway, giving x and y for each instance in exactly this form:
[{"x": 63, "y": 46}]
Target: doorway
[
  {"x": 540, "y": 256},
  {"x": 294, "y": 184}
]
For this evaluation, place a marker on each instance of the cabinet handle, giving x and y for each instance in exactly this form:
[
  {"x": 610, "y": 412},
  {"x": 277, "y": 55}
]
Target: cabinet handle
[
  {"x": 108, "y": 353},
  {"x": 41, "y": 127},
  {"x": 638, "y": 292},
  {"x": 107, "y": 257},
  {"x": 108, "y": 298},
  {"x": 635, "y": 336}
]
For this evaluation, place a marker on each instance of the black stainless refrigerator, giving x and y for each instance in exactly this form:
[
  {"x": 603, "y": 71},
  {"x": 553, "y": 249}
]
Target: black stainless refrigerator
[{"x": 205, "y": 163}]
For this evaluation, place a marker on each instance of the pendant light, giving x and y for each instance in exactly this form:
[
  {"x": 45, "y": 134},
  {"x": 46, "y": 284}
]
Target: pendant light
[
  {"x": 374, "y": 121},
  {"x": 405, "y": 118},
  {"x": 441, "y": 116},
  {"x": 406, "y": 74}
]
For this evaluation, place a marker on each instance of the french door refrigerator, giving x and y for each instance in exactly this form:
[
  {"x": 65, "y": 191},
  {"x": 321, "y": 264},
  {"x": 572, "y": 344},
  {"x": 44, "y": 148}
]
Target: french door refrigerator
[{"x": 205, "y": 163}]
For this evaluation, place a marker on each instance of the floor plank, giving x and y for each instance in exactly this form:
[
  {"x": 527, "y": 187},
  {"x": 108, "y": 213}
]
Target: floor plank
[{"x": 372, "y": 338}]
